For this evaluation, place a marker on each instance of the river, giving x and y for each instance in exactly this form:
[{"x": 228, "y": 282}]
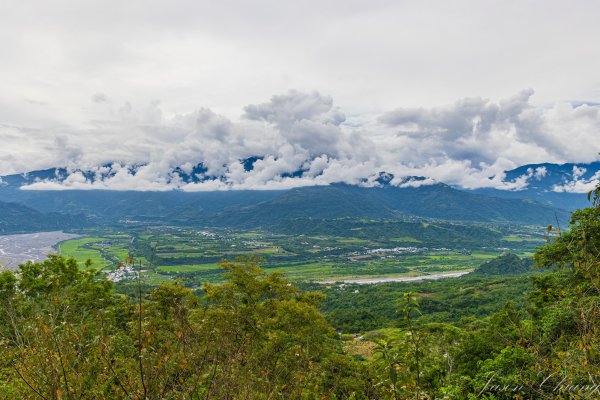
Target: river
[
  {"x": 366, "y": 281},
  {"x": 18, "y": 249}
]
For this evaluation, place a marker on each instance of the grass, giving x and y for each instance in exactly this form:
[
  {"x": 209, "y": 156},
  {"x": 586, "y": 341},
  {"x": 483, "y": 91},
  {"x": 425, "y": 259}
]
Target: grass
[
  {"x": 248, "y": 235},
  {"x": 168, "y": 269},
  {"x": 520, "y": 239},
  {"x": 152, "y": 278},
  {"x": 83, "y": 249},
  {"x": 390, "y": 334},
  {"x": 120, "y": 252},
  {"x": 352, "y": 241}
]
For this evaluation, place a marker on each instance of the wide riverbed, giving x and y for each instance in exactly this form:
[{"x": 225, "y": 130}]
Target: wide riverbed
[
  {"x": 18, "y": 249},
  {"x": 366, "y": 281}
]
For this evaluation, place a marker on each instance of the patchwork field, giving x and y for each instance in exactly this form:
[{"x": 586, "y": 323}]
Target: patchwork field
[{"x": 193, "y": 256}]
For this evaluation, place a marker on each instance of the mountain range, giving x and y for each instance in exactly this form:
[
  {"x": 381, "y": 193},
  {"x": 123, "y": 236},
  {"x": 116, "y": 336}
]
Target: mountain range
[
  {"x": 17, "y": 218},
  {"x": 537, "y": 201},
  {"x": 558, "y": 185}
]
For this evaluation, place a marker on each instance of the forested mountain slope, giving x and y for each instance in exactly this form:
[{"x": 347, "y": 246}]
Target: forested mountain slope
[
  {"x": 258, "y": 208},
  {"x": 16, "y": 218}
]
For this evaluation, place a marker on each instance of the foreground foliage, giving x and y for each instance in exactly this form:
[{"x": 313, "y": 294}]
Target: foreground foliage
[{"x": 65, "y": 333}]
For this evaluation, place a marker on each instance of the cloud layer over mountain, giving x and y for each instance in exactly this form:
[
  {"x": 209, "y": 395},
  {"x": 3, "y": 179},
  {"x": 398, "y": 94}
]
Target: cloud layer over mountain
[
  {"x": 301, "y": 139},
  {"x": 80, "y": 79}
]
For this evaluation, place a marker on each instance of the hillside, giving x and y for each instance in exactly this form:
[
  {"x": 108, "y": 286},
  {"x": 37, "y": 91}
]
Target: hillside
[
  {"x": 506, "y": 264},
  {"x": 444, "y": 202},
  {"x": 16, "y": 218},
  {"x": 251, "y": 209},
  {"x": 321, "y": 202},
  {"x": 440, "y": 234},
  {"x": 557, "y": 185},
  {"x": 345, "y": 201}
]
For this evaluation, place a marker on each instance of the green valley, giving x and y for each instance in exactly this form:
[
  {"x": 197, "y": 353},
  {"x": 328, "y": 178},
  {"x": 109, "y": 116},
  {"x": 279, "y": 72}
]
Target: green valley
[{"x": 333, "y": 250}]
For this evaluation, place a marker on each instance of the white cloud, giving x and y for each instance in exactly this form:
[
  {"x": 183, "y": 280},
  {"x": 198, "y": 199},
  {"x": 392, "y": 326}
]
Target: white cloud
[
  {"x": 301, "y": 139},
  {"x": 578, "y": 172},
  {"x": 522, "y": 182},
  {"x": 81, "y": 83},
  {"x": 579, "y": 184},
  {"x": 482, "y": 131},
  {"x": 540, "y": 172},
  {"x": 370, "y": 55}
]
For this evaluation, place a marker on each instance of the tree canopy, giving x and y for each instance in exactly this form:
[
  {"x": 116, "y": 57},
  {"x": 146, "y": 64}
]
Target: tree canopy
[{"x": 66, "y": 333}]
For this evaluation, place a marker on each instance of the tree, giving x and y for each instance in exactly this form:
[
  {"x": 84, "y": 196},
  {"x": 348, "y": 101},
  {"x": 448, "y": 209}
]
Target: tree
[
  {"x": 66, "y": 334},
  {"x": 409, "y": 307},
  {"x": 567, "y": 302}
]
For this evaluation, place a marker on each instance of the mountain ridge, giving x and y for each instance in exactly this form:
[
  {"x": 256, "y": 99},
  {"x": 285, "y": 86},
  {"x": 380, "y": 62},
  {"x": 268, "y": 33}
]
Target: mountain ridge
[
  {"x": 415, "y": 197},
  {"x": 17, "y": 218}
]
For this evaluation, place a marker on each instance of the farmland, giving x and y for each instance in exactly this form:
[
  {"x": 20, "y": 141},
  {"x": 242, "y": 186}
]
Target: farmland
[{"x": 192, "y": 256}]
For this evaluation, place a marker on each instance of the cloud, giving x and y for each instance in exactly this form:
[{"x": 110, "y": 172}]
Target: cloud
[
  {"x": 100, "y": 98},
  {"x": 308, "y": 121},
  {"x": 578, "y": 183},
  {"x": 286, "y": 110},
  {"x": 522, "y": 182},
  {"x": 486, "y": 132},
  {"x": 85, "y": 82},
  {"x": 476, "y": 129},
  {"x": 301, "y": 139},
  {"x": 540, "y": 172}
]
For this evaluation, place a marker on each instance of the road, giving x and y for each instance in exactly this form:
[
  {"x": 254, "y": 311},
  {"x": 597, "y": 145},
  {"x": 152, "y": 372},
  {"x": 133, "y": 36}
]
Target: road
[{"x": 18, "y": 249}]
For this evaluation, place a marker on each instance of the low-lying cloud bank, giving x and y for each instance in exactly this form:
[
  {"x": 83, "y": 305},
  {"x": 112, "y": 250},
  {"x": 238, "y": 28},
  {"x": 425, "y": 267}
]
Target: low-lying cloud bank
[
  {"x": 301, "y": 139},
  {"x": 579, "y": 184}
]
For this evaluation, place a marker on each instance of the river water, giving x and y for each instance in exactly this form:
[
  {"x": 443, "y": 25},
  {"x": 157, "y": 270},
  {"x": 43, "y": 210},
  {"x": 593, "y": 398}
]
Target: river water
[
  {"x": 366, "y": 281},
  {"x": 18, "y": 249}
]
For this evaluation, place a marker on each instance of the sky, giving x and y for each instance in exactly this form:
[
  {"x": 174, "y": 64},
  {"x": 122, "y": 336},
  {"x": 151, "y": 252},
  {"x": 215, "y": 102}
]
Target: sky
[{"x": 454, "y": 91}]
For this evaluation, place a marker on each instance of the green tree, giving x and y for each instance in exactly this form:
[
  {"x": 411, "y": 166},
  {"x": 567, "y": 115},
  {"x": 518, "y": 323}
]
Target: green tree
[
  {"x": 66, "y": 334},
  {"x": 409, "y": 309}
]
